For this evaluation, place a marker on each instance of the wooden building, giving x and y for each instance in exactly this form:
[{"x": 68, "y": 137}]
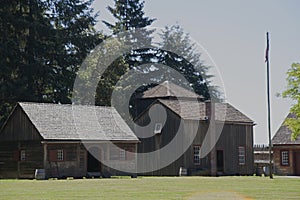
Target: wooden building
[
  {"x": 262, "y": 159},
  {"x": 233, "y": 152},
  {"x": 65, "y": 141},
  {"x": 286, "y": 152}
]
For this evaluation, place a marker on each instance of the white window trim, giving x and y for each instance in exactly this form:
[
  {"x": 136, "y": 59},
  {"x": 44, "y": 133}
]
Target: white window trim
[
  {"x": 242, "y": 155},
  {"x": 285, "y": 158},
  {"x": 157, "y": 128},
  {"x": 60, "y": 154},
  {"x": 196, "y": 155}
]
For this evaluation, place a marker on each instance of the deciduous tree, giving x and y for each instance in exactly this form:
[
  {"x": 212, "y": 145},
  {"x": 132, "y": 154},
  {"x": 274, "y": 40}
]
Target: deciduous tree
[{"x": 293, "y": 92}]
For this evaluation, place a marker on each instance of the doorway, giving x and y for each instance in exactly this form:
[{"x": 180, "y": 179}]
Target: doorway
[
  {"x": 93, "y": 160},
  {"x": 220, "y": 161},
  {"x": 297, "y": 163}
]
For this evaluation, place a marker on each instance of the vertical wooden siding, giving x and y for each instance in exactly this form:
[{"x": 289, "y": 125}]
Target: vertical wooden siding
[
  {"x": 19, "y": 128},
  {"x": 232, "y": 136}
]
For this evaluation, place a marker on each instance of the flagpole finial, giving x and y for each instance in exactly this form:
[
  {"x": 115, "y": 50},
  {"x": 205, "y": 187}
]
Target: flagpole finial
[{"x": 267, "y": 49}]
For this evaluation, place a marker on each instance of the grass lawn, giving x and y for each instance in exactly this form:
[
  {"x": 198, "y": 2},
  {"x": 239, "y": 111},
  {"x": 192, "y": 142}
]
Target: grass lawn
[{"x": 154, "y": 188}]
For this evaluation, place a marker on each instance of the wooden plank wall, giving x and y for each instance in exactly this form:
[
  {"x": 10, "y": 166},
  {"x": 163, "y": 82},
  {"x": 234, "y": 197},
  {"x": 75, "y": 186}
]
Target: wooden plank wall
[
  {"x": 10, "y": 164},
  {"x": 72, "y": 165},
  {"x": 287, "y": 169},
  {"x": 233, "y": 136},
  {"x": 19, "y": 128}
]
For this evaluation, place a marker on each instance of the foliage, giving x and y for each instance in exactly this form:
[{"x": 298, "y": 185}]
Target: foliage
[
  {"x": 129, "y": 16},
  {"x": 185, "y": 58},
  {"x": 42, "y": 44},
  {"x": 293, "y": 92}
]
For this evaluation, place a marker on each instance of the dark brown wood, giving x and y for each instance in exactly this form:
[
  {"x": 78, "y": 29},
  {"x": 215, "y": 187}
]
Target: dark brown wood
[
  {"x": 18, "y": 127},
  {"x": 293, "y": 155},
  {"x": 12, "y": 166},
  {"x": 19, "y": 134},
  {"x": 297, "y": 163}
]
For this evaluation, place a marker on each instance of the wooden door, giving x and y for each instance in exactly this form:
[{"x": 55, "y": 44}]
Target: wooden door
[
  {"x": 93, "y": 160},
  {"x": 220, "y": 161},
  {"x": 297, "y": 163}
]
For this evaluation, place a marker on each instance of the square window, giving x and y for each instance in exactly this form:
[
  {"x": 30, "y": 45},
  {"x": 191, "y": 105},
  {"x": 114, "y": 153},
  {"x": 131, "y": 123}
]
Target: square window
[
  {"x": 285, "y": 158},
  {"x": 197, "y": 155},
  {"x": 158, "y": 128},
  {"x": 22, "y": 155},
  {"x": 242, "y": 157},
  {"x": 60, "y": 155}
]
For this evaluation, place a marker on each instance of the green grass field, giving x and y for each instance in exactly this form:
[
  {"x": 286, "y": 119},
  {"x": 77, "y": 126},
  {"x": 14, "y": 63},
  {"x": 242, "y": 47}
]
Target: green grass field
[{"x": 154, "y": 188}]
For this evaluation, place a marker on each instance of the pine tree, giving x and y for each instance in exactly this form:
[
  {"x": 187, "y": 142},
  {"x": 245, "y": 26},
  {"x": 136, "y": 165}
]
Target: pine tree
[
  {"x": 129, "y": 15},
  {"x": 74, "y": 22},
  {"x": 131, "y": 20},
  {"x": 186, "y": 59},
  {"x": 42, "y": 45}
]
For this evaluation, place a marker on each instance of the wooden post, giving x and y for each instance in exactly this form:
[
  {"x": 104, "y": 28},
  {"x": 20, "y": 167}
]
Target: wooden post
[
  {"x": 45, "y": 156},
  {"x": 213, "y": 156},
  {"x": 79, "y": 170},
  {"x": 18, "y": 160}
]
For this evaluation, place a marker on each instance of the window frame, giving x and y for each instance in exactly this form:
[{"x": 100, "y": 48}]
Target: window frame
[
  {"x": 22, "y": 155},
  {"x": 158, "y": 128},
  {"x": 196, "y": 157},
  {"x": 282, "y": 159},
  {"x": 122, "y": 154},
  {"x": 60, "y": 155},
  {"x": 242, "y": 155}
]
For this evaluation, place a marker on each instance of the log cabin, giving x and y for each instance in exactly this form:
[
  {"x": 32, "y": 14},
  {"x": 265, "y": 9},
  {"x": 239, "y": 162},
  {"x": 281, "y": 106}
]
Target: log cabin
[
  {"x": 231, "y": 155},
  {"x": 286, "y": 152},
  {"x": 65, "y": 141}
]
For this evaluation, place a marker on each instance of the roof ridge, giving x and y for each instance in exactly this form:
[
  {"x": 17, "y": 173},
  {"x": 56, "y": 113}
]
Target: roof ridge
[
  {"x": 168, "y": 88},
  {"x": 172, "y": 89},
  {"x": 64, "y": 104}
]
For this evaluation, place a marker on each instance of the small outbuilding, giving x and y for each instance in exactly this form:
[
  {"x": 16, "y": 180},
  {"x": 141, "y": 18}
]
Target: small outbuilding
[
  {"x": 286, "y": 152},
  {"x": 66, "y": 141}
]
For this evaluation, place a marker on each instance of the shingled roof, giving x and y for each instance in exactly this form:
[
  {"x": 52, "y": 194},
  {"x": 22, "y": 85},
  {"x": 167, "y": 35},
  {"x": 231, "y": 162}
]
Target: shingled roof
[
  {"x": 169, "y": 89},
  {"x": 283, "y": 134},
  {"x": 77, "y": 122},
  {"x": 195, "y": 110}
]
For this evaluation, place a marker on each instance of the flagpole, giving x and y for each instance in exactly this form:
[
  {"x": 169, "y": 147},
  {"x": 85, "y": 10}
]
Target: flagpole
[{"x": 269, "y": 112}]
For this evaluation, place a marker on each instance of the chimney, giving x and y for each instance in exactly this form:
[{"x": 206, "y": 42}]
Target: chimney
[
  {"x": 210, "y": 113},
  {"x": 208, "y": 109}
]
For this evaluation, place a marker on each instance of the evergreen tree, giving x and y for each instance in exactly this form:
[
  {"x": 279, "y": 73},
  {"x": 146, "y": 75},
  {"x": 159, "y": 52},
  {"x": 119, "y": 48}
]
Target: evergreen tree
[
  {"x": 74, "y": 23},
  {"x": 130, "y": 17},
  {"x": 42, "y": 45},
  {"x": 23, "y": 71},
  {"x": 186, "y": 59}
]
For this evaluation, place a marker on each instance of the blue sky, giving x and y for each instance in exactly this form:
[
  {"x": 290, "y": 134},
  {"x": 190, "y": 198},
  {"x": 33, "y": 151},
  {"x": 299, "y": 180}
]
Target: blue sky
[{"x": 233, "y": 33}]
